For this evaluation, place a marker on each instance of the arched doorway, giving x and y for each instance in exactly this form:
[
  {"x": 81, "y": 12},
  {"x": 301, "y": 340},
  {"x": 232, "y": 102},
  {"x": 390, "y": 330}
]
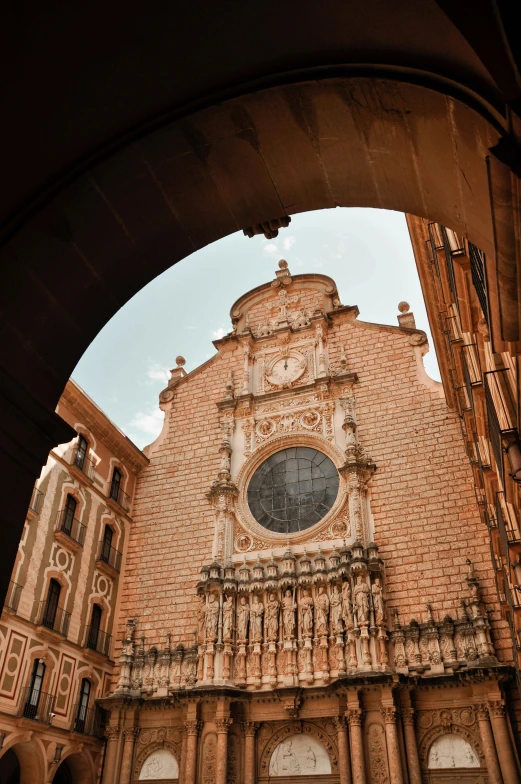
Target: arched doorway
[
  {"x": 23, "y": 763},
  {"x": 74, "y": 769},
  {"x": 9, "y": 768}
]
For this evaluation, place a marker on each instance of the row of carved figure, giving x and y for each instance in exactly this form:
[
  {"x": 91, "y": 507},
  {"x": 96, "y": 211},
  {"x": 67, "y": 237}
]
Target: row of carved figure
[
  {"x": 293, "y": 613},
  {"x": 306, "y": 634}
]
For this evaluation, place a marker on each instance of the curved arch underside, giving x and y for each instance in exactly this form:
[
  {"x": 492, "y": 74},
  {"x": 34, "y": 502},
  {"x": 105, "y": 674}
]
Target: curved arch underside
[{"x": 381, "y": 106}]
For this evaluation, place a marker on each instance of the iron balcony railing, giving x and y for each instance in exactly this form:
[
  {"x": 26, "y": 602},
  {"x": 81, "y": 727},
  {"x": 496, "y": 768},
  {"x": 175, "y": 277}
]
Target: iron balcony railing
[
  {"x": 109, "y": 555},
  {"x": 36, "y": 502},
  {"x": 80, "y": 461},
  {"x": 71, "y": 526},
  {"x": 96, "y": 640},
  {"x": 36, "y": 705},
  {"x": 121, "y": 498},
  {"x": 479, "y": 280},
  {"x": 13, "y": 596},
  {"x": 88, "y": 721},
  {"x": 52, "y": 617}
]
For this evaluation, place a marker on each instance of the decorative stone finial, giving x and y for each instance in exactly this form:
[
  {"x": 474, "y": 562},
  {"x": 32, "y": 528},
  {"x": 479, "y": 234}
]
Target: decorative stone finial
[
  {"x": 180, "y": 361},
  {"x": 406, "y": 318},
  {"x": 283, "y": 264}
]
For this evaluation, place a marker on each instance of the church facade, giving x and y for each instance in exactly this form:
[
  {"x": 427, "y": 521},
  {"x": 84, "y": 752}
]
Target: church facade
[{"x": 308, "y": 590}]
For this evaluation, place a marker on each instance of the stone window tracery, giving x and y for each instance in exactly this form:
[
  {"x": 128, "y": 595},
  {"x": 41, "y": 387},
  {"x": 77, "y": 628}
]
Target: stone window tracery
[{"x": 293, "y": 489}]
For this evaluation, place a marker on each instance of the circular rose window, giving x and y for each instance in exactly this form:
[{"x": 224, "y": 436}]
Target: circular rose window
[{"x": 292, "y": 490}]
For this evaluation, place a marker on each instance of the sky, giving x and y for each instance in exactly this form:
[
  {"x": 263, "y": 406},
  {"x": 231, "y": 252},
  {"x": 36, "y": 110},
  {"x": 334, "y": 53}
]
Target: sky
[{"x": 366, "y": 251}]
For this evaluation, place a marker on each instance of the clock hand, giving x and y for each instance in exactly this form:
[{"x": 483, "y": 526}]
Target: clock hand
[{"x": 285, "y": 364}]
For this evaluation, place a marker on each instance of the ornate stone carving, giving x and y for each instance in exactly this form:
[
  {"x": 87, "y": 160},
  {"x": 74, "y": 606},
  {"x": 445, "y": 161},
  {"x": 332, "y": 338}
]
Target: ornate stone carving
[
  {"x": 209, "y": 758},
  {"x": 112, "y": 733},
  {"x": 355, "y": 716},
  {"x": 390, "y": 714},
  {"x": 377, "y": 748}
]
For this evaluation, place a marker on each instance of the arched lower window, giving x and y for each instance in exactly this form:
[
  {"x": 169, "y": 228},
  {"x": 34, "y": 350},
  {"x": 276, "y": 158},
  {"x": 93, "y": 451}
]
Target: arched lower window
[
  {"x": 34, "y": 691},
  {"x": 106, "y": 545},
  {"x": 69, "y": 513},
  {"x": 83, "y": 706},
  {"x": 51, "y": 604},
  {"x": 81, "y": 452},
  {"x": 115, "y": 485},
  {"x": 94, "y": 628}
]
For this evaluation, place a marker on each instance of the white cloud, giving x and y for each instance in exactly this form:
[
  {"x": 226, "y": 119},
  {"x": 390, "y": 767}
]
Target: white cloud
[
  {"x": 270, "y": 248},
  {"x": 150, "y": 423},
  {"x": 157, "y": 372},
  {"x": 289, "y": 242},
  {"x": 218, "y": 333}
]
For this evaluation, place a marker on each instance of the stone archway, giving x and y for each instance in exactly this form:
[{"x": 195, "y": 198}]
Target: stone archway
[
  {"x": 28, "y": 762},
  {"x": 75, "y": 768},
  {"x": 164, "y": 758},
  {"x": 325, "y": 142},
  {"x": 298, "y": 750}
]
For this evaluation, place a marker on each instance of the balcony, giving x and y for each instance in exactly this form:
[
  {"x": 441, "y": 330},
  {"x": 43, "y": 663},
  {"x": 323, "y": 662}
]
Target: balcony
[
  {"x": 88, "y": 721},
  {"x": 508, "y": 529},
  {"x": 108, "y": 557},
  {"x": 68, "y": 530},
  {"x": 500, "y": 407},
  {"x": 53, "y": 618},
  {"x": 36, "y": 705},
  {"x": 35, "y": 504},
  {"x": 82, "y": 465},
  {"x": 96, "y": 640},
  {"x": 117, "y": 497},
  {"x": 13, "y": 596}
]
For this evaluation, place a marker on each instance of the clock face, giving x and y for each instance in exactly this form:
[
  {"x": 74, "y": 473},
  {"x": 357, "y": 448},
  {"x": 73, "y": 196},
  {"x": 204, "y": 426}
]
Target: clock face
[
  {"x": 292, "y": 490},
  {"x": 286, "y": 370}
]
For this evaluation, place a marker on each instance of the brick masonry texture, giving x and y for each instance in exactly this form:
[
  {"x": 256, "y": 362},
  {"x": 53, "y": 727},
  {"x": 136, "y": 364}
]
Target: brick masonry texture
[{"x": 426, "y": 520}]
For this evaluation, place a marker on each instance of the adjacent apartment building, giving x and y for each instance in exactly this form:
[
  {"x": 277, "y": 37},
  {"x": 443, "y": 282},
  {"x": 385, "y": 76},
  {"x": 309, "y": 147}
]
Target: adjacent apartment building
[{"x": 57, "y": 626}]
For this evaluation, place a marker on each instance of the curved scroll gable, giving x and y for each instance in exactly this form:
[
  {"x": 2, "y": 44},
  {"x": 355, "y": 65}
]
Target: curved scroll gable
[{"x": 288, "y": 731}]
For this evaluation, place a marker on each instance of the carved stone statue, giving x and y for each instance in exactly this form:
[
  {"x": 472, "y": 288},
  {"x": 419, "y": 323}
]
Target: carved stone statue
[
  {"x": 335, "y": 602},
  {"x": 243, "y": 613},
  {"x": 378, "y": 602},
  {"x": 211, "y": 617},
  {"x": 228, "y": 619},
  {"x": 306, "y": 614},
  {"x": 201, "y": 615},
  {"x": 272, "y": 618},
  {"x": 288, "y": 615},
  {"x": 321, "y": 612},
  {"x": 256, "y": 611},
  {"x": 361, "y": 600},
  {"x": 347, "y": 611}
]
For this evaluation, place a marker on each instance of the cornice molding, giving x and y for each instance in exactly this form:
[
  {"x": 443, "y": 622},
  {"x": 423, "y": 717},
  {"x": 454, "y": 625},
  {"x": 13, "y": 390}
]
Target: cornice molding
[{"x": 103, "y": 428}]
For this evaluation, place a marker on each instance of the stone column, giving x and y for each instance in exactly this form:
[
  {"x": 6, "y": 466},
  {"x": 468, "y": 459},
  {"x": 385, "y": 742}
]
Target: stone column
[
  {"x": 344, "y": 763},
  {"x": 390, "y": 715},
  {"x": 355, "y": 717},
  {"x": 192, "y": 731},
  {"x": 249, "y": 729},
  {"x": 222, "y": 725},
  {"x": 182, "y": 763},
  {"x": 111, "y": 755},
  {"x": 503, "y": 742},
  {"x": 411, "y": 746},
  {"x": 488, "y": 745},
  {"x": 130, "y": 734}
]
